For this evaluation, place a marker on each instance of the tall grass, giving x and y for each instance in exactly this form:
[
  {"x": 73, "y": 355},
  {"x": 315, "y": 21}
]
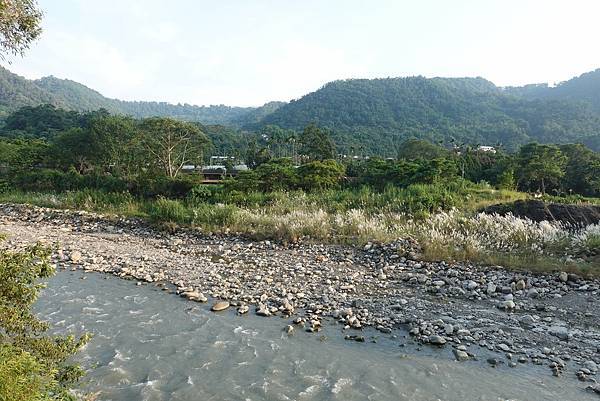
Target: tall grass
[{"x": 427, "y": 214}]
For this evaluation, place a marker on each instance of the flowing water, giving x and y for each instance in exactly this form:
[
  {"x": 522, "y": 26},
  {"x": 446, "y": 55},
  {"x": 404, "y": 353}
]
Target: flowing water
[{"x": 149, "y": 345}]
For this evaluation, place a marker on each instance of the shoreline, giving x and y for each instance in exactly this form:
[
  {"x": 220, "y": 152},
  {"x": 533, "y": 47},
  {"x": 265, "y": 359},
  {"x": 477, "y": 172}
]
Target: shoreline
[{"x": 523, "y": 318}]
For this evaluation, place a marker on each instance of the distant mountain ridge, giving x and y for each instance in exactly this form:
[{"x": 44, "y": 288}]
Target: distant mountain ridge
[
  {"x": 372, "y": 116},
  {"x": 378, "y": 114},
  {"x": 16, "y": 92},
  {"x": 584, "y": 88}
]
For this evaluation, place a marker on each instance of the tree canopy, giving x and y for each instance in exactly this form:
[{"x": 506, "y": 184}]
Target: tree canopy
[{"x": 20, "y": 25}]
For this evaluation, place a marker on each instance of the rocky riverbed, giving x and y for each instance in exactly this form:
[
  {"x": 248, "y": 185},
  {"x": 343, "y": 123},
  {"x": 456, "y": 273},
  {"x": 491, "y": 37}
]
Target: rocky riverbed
[{"x": 508, "y": 318}]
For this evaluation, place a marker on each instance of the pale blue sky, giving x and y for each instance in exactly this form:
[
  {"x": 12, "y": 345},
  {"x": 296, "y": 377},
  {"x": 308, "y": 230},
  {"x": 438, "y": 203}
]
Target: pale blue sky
[{"x": 247, "y": 52}]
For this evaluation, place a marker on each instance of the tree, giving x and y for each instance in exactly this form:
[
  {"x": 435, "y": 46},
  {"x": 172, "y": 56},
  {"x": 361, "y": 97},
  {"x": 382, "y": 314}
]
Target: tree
[
  {"x": 19, "y": 26},
  {"x": 115, "y": 143},
  {"x": 277, "y": 174},
  {"x": 172, "y": 143},
  {"x": 582, "y": 170},
  {"x": 316, "y": 143},
  {"x": 321, "y": 174},
  {"x": 255, "y": 155},
  {"x": 540, "y": 166},
  {"x": 33, "y": 366},
  {"x": 413, "y": 149}
]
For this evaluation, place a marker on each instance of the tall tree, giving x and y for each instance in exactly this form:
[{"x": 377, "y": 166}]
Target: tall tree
[
  {"x": 540, "y": 166},
  {"x": 19, "y": 26},
  {"x": 316, "y": 143},
  {"x": 172, "y": 143},
  {"x": 582, "y": 171}
]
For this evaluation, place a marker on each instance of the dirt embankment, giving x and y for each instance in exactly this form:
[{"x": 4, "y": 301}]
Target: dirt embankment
[{"x": 576, "y": 215}]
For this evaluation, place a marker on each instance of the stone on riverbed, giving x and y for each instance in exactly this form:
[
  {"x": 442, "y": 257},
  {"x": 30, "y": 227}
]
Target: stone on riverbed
[
  {"x": 219, "y": 306},
  {"x": 194, "y": 296},
  {"x": 560, "y": 332},
  {"x": 263, "y": 310},
  {"x": 461, "y": 355},
  {"x": 75, "y": 256},
  {"x": 437, "y": 340}
]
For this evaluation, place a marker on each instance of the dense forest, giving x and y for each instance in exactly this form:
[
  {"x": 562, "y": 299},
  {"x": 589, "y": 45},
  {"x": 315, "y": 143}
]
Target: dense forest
[
  {"x": 379, "y": 114},
  {"x": 35, "y": 140},
  {"x": 364, "y": 116},
  {"x": 585, "y": 88},
  {"x": 17, "y": 92}
]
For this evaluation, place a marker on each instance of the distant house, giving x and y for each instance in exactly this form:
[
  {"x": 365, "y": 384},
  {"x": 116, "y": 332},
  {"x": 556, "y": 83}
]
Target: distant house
[
  {"x": 214, "y": 172},
  {"x": 489, "y": 149}
]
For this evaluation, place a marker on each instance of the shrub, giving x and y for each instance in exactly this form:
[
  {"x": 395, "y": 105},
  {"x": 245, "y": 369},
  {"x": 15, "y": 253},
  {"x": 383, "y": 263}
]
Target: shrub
[
  {"x": 168, "y": 210},
  {"x": 33, "y": 366},
  {"x": 319, "y": 175}
]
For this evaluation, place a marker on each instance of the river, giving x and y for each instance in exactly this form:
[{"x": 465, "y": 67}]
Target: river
[{"x": 149, "y": 345}]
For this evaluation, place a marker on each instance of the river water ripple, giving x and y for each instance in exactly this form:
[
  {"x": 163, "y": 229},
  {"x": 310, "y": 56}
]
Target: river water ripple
[{"x": 152, "y": 346}]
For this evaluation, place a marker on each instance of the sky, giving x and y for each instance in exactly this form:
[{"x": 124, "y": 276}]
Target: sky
[{"x": 248, "y": 52}]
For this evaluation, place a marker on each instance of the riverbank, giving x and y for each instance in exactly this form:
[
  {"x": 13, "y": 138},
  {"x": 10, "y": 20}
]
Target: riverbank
[{"x": 522, "y": 318}]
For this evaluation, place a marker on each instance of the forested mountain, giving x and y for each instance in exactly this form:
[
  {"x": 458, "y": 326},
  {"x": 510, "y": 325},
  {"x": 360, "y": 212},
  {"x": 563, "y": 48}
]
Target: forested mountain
[
  {"x": 585, "y": 88},
  {"x": 16, "y": 92},
  {"x": 367, "y": 116},
  {"x": 378, "y": 114}
]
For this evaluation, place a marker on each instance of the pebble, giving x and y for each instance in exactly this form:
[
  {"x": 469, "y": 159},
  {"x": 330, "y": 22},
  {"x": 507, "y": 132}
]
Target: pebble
[{"x": 219, "y": 306}]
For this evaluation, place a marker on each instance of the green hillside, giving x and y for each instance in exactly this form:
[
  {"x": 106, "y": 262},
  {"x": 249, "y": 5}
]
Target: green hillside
[
  {"x": 16, "y": 92},
  {"x": 379, "y": 114},
  {"x": 585, "y": 88},
  {"x": 369, "y": 116}
]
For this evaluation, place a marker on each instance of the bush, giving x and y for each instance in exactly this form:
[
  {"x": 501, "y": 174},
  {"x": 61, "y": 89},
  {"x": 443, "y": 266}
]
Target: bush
[
  {"x": 33, "y": 366},
  {"x": 319, "y": 175},
  {"x": 168, "y": 210}
]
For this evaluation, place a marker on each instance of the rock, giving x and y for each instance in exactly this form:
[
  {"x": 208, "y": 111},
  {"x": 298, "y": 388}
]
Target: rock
[
  {"x": 493, "y": 361},
  {"x": 75, "y": 256},
  {"x": 520, "y": 285},
  {"x": 289, "y": 330},
  {"x": 594, "y": 388},
  {"x": 263, "y": 310},
  {"x": 563, "y": 276},
  {"x": 503, "y": 347},
  {"x": 436, "y": 340},
  {"x": 507, "y": 305},
  {"x": 591, "y": 366},
  {"x": 194, "y": 296},
  {"x": 448, "y": 329},
  {"x": 491, "y": 288},
  {"x": 471, "y": 285},
  {"x": 460, "y": 355},
  {"x": 219, "y": 306},
  {"x": 527, "y": 320},
  {"x": 560, "y": 332},
  {"x": 243, "y": 309}
]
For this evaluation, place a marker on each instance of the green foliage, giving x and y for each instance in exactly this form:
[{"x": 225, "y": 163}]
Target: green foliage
[
  {"x": 378, "y": 115},
  {"x": 582, "y": 171},
  {"x": 316, "y": 143},
  {"x": 278, "y": 174},
  {"x": 319, "y": 175},
  {"x": 414, "y": 149},
  {"x": 541, "y": 166},
  {"x": 33, "y": 365},
  {"x": 20, "y": 25},
  {"x": 171, "y": 144},
  {"x": 17, "y": 92}
]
